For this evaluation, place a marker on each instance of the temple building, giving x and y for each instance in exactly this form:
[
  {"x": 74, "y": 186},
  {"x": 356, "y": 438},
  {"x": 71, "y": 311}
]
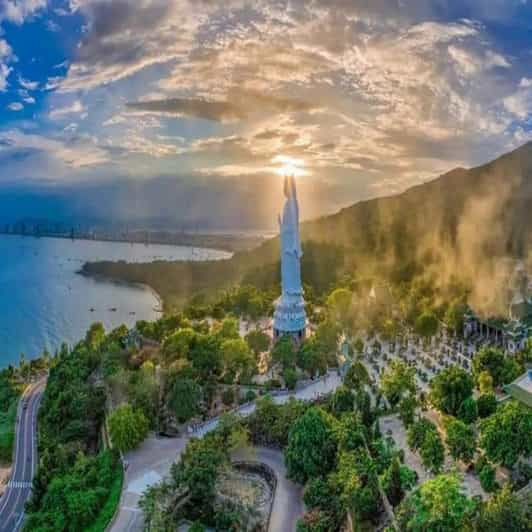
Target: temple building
[
  {"x": 289, "y": 317},
  {"x": 513, "y": 331},
  {"x": 521, "y": 388}
]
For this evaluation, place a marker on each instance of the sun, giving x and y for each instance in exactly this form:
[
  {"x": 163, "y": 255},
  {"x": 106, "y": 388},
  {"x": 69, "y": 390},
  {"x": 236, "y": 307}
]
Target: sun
[{"x": 289, "y": 166}]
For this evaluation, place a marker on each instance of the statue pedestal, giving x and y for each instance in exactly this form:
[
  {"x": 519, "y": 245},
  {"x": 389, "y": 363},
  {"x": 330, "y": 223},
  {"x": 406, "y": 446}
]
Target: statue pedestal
[{"x": 289, "y": 318}]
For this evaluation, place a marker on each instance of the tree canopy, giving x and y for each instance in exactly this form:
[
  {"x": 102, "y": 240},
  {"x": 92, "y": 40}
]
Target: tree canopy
[
  {"x": 398, "y": 380},
  {"x": 450, "y": 388},
  {"x": 505, "y": 435},
  {"x": 439, "y": 504},
  {"x": 312, "y": 444},
  {"x": 128, "y": 427},
  {"x": 461, "y": 441}
]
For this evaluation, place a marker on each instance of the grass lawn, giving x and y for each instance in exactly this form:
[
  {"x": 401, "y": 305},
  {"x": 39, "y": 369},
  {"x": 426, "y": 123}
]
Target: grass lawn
[{"x": 109, "y": 508}]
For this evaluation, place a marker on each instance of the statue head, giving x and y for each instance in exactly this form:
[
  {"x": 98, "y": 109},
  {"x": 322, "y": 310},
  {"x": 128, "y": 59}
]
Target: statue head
[{"x": 289, "y": 187}]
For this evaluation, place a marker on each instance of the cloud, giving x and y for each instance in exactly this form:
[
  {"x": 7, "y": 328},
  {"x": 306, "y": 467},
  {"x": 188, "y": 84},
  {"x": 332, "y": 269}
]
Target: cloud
[
  {"x": 75, "y": 153},
  {"x": 6, "y": 56},
  {"x": 75, "y": 108},
  {"x": 371, "y": 96},
  {"x": 17, "y": 11},
  {"x": 15, "y": 106},
  {"x": 28, "y": 84},
  {"x": 239, "y": 106}
]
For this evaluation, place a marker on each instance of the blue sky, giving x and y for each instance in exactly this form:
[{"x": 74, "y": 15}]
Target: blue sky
[{"x": 358, "y": 98}]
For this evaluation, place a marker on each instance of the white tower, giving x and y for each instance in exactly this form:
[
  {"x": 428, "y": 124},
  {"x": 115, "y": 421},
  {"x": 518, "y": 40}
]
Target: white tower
[{"x": 289, "y": 317}]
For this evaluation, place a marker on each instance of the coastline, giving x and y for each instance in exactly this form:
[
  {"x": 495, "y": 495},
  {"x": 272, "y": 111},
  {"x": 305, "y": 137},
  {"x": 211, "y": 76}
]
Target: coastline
[
  {"x": 123, "y": 282},
  {"x": 227, "y": 242}
]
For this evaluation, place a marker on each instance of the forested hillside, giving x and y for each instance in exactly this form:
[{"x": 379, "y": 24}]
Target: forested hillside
[{"x": 456, "y": 228}]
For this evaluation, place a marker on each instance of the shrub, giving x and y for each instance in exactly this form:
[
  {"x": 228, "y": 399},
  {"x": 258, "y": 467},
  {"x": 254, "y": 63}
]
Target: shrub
[
  {"x": 228, "y": 397},
  {"x": 468, "y": 412},
  {"x": 487, "y": 478},
  {"x": 486, "y": 405}
]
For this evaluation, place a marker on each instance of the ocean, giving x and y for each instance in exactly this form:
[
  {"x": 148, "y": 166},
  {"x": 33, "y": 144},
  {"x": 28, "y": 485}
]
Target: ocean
[{"x": 44, "y": 302}]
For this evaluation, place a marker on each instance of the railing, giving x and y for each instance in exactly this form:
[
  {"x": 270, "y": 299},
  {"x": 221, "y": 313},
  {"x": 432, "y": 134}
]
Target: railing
[{"x": 238, "y": 410}]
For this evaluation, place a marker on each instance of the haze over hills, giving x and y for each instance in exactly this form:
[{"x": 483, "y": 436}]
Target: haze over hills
[{"x": 458, "y": 227}]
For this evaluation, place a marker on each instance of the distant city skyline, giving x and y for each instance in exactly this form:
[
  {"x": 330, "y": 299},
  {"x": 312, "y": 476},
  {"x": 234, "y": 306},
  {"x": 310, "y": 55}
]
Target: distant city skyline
[{"x": 162, "y": 104}]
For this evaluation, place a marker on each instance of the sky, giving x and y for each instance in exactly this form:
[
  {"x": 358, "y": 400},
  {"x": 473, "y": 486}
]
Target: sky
[{"x": 193, "y": 110}]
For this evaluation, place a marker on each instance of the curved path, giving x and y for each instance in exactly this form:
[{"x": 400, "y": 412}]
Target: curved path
[
  {"x": 25, "y": 462},
  {"x": 288, "y": 504},
  {"x": 151, "y": 462}
]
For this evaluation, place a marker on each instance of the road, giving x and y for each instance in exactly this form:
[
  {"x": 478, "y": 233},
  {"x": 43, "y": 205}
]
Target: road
[{"x": 25, "y": 461}]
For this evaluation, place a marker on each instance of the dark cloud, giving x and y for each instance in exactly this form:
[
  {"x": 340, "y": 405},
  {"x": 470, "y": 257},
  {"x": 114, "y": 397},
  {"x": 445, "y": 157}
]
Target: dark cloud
[
  {"x": 109, "y": 20},
  {"x": 208, "y": 110},
  {"x": 239, "y": 106}
]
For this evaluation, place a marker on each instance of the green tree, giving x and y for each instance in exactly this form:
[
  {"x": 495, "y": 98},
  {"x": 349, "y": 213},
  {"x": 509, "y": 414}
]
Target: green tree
[
  {"x": 238, "y": 359},
  {"x": 198, "y": 470},
  {"x": 468, "y": 411},
  {"x": 485, "y": 382},
  {"x": 450, "y": 388},
  {"x": 311, "y": 358},
  {"x": 356, "y": 477},
  {"x": 426, "y": 325},
  {"x": 418, "y": 432},
  {"x": 228, "y": 329},
  {"x": 432, "y": 452},
  {"x": 283, "y": 352},
  {"x": 177, "y": 345},
  {"x": 398, "y": 379},
  {"x": 505, "y": 512},
  {"x": 95, "y": 335},
  {"x": 205, "y": 356},
  {"x": 258, "y": 341},
  {"x": 184, "y": 399},
  {"x": 127, "y": 427},
  {"x": 312, "y": 444},
  {"x": 342, "y": 401},
  {"x": 454, "y": 316},
  {"x": 487, "y": 478},
  {"x": 392, "y": 484},
  {"x": 486, "y": 405},
  {"x": 407, "y": 409},
  {"x": 439, "y": 504},
  {"x": 315, "y": 521},
  {"x": 290, "y": 378},
  {"x": 326, "y": 337},
  {"x": 357, "y": 376},
  {"x": 321, "y": 494},
  {"x": 511, "y": 370},
  {"x": 505, "y": 435},
  {"x": 491, "y": 360},
  {"x": 461, "y": 441}
]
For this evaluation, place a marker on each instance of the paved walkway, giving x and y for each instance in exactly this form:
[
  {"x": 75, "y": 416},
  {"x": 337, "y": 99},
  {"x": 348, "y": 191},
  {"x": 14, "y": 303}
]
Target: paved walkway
[
  {"x": 288, "y": 504},
  {"x": 151, "y": 462},
  {"x": 147, "y": 465},
  {"x": 323, "y": 386}
]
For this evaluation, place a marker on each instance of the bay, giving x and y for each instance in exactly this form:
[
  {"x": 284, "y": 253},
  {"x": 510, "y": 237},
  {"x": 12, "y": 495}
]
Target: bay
[{"x": 44, "y": 301}]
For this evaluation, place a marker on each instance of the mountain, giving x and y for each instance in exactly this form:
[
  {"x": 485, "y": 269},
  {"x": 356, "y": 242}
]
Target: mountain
[{"x": 460, "y": 227}]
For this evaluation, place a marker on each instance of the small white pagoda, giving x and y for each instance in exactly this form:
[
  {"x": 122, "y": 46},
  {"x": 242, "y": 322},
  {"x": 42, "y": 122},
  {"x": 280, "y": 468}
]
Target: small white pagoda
[{"x": 289, "y": 317}]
